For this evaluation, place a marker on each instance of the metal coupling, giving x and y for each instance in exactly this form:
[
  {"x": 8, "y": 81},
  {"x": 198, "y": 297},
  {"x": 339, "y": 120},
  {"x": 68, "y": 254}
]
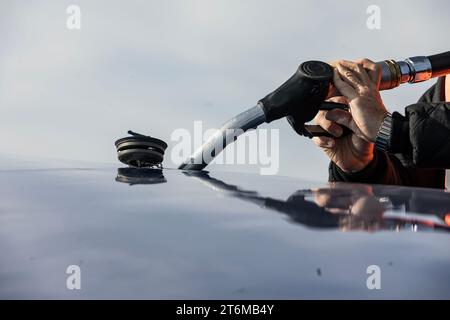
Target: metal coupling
[{"x": 420, "y": 69}]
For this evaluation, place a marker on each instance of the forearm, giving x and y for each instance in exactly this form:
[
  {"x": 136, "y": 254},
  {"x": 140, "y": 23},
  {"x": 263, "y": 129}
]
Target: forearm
[
  {"x": 383, "y": 169},
  {"x": 388, "y": 169}
]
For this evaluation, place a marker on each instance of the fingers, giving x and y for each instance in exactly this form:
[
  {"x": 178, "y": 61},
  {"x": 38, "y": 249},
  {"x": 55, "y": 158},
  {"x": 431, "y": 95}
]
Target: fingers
[
  {"x": 341, "y": 117},
  {"x": 357, "y": 70},
  {"x": 338, "y": 99},
  {"x": 324, "y": 142},
  {"x": 373, "y": 70},
  {"x": 334, "y": 91},
  {"x": 322, "y": 198},
  {"x": 329, "y": 126},
  {"x": 367, "y": 64},
  {"x": 344, "y": 88},
  {"x": 353, "y": 74}
]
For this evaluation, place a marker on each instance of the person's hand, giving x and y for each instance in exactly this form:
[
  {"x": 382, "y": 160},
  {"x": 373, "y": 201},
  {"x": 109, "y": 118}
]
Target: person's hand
[
  {"x": 358, "y": 82},
  {"x": 350, "y": 153}
]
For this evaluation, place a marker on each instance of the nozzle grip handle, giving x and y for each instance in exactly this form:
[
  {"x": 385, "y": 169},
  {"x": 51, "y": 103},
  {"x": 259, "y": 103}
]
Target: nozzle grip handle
[
  {"x": 300, "y": 96},
  {"x": 318, "y": 131}
]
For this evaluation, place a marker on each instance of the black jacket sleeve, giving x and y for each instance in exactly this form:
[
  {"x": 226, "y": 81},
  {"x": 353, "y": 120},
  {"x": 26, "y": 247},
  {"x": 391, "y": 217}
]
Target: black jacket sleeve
[
  {"x": 423, "y": 135},
  {"x": 387, "y": 168},
  {"x": 419, "y": 147}
]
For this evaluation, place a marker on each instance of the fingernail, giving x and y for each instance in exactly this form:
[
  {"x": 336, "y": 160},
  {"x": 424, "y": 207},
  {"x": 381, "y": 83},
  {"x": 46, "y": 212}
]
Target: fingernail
[
  {"x": 329, "y": 116},
  {"x": 330, "y": 143},
  {"x": 338, "y": 131}
]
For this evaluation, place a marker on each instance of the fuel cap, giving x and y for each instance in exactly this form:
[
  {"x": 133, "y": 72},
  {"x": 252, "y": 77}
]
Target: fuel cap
[{"x": 140, "y": 150}]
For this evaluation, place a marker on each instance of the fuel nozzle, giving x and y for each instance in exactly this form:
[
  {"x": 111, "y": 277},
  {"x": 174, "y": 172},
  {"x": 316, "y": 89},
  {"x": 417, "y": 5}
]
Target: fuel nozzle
[{"x": 301, "y": 97}]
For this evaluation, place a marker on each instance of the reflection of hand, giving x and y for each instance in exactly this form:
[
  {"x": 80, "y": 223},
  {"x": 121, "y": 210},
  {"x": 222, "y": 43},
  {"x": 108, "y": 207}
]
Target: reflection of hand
[
  {"x": 362, "y": 210},
  {"x": 342, "y": 197},
  {"x": 365, "y": 214}
]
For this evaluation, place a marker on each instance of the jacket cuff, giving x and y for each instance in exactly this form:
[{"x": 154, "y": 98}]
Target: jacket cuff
[
  {"x": 399, "y": 141},
  {"x": 367, "y": 174}
]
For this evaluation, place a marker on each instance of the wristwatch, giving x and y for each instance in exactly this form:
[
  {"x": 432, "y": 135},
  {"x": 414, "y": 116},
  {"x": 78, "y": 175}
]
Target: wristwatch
[{"x": 384, "y": 134}]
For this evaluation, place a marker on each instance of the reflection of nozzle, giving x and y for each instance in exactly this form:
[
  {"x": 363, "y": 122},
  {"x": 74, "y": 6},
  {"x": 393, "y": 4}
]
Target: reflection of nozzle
[
  {"x": 296, "y": 207},
  {"x": 348, "y": 207}
]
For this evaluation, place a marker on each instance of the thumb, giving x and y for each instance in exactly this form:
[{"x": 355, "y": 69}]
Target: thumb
[
  {"x": 338, "y": 99},
  {"x": 344, "y": 88}
]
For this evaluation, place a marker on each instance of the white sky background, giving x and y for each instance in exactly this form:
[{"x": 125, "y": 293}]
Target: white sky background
[{"x": 154, "y": 66}]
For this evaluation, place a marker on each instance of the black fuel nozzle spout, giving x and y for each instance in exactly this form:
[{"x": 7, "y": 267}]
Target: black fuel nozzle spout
[{"x": 301, "y": 96}]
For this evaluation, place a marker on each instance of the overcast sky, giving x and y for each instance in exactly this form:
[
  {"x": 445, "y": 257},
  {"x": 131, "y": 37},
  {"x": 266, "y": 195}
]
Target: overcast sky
[{"x": 154, "y": 66}]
